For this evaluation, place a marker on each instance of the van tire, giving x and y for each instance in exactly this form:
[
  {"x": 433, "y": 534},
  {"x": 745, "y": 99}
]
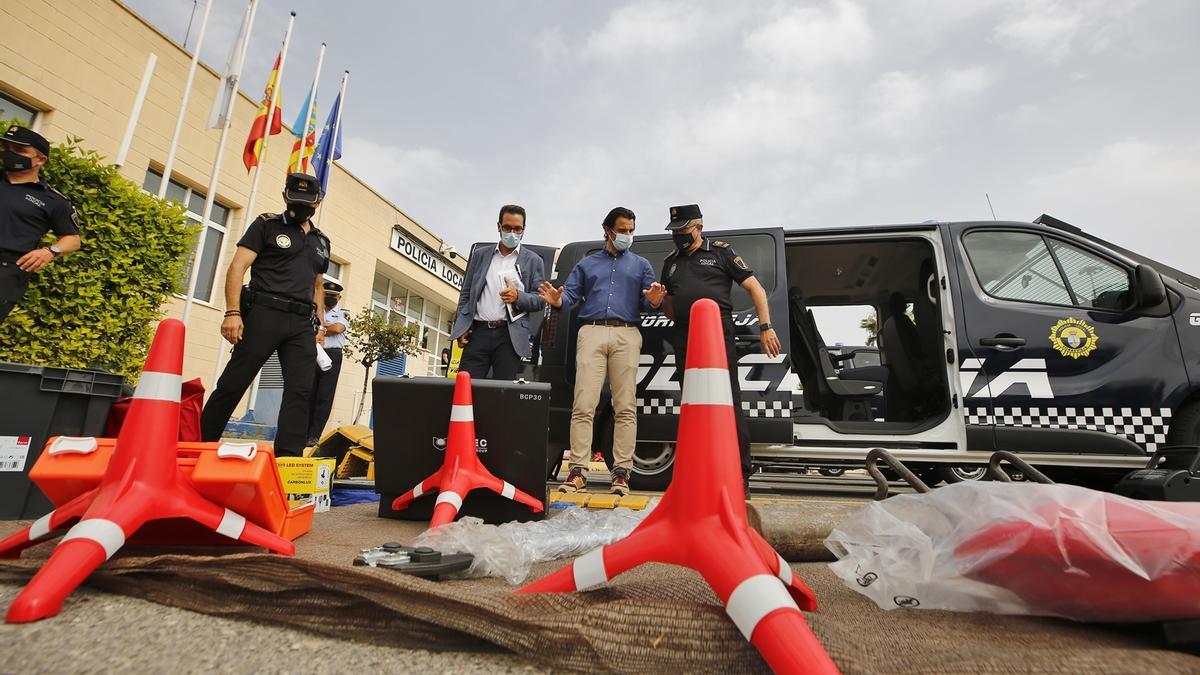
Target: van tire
[
  {"x": 653, "y": 466},
  {"x": 1185, "y": 425},
  {"x": 960, "y": 473}
]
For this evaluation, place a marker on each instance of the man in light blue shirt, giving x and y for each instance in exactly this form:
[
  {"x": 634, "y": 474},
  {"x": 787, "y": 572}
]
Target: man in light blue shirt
[
  {"x": 333, "y": 334},
  {"x": 614, "y": 285}
]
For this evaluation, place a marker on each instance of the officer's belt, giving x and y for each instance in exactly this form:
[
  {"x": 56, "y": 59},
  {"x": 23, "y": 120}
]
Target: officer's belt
[{"x": 275, "y": 302}]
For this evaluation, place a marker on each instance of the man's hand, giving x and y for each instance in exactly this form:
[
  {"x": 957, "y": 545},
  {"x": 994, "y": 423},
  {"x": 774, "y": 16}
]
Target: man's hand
[
  {"x": 231, "y": 329},
  {"x": 552, "y": 295},
  {"x": 464, "y": 339},
  {"x": 655, "y": 294},
  {"x": 321, "y": 336},
  {"x": 770, "y": 343},
  {"x": 508, "y": 296},
  {"x": 35, "y": 260}
]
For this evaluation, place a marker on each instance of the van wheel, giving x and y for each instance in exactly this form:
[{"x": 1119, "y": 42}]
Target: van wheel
[
  {"x": 653, "y": 466},
  {"x": 1185, "y": 425},
  {"x": 958, "y": 473},
  {"x": 832, "y": 472}
]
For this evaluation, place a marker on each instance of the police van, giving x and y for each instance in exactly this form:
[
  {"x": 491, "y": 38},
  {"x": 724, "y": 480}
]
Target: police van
[{"x": 1035, "y": 338}]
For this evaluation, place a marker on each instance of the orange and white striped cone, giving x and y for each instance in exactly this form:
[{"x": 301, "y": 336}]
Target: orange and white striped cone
[
  {"x": 140, "y": 484},
  {"x": 700, "y": 522},
  {"x": 461, "y": 469}
]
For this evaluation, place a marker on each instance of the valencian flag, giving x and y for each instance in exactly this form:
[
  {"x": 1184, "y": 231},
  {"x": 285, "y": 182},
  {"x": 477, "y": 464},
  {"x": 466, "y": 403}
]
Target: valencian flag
[
  {"x": 330, "y": 148},
  {"x": 299, "y": 162},
  {"x": 254, "y": 141}
]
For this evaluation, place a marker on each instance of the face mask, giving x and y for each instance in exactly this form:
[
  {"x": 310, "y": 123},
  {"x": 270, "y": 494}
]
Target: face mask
[
  {"x": 13, "y": 161},
  {"x": 298, "y": 212},
  {"x": 330, "y": 301},
  {"x": 511, "y": 239},
  {"x": 622, "y": 242},
  {"x": 683, "y": 242}
]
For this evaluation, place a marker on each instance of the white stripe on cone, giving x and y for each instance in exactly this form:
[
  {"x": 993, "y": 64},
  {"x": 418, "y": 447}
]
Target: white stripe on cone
[
  {"x": 509, "y": 490},
  {"x": 159, "y": 387},
  {"x": 40, "y": 527},
  {"x": 461, "y": 413},
  {"x": 785, "y": 571},
  {"x": 232, "y": 525},
  {"x": 104, "y": 532},
  {"x": 589, "y": 569},
  {"x": 419, "y": 490},
  {"x": 452, "y": 498},
  {"x": 706, "y": 386},
  {"x": 755, "y": 598}
]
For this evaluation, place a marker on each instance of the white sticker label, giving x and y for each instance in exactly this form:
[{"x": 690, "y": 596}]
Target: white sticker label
[{"x": 13, "y": 452}]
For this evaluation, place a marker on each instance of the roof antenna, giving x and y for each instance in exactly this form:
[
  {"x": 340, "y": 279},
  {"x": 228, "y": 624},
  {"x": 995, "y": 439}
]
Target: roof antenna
[{"x": 989, "y": 201}]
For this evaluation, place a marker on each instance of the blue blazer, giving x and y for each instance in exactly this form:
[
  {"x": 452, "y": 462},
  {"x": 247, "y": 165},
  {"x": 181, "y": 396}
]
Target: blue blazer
[{"x": 532, "y": 272}]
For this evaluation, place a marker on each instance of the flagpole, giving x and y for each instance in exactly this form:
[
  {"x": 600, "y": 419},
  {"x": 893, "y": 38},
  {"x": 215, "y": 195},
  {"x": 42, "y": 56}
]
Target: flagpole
[
  {"x": 169, "y": 167},
  {"x": 214, "y": 179},
  {"x": 328, "y": 159},
  {"x": 312, "y": 104}
]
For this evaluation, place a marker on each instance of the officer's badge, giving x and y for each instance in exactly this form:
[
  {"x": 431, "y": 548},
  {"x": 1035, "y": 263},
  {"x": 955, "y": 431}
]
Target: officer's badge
[
  {"x": 283, "y": 241},
  {"x": 737, "y": 260},
  {"x": 671, "y": 271},
  {"x": 1074, "y": 338}
]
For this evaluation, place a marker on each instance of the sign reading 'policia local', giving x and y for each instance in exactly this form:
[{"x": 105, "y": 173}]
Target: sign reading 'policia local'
[
  {"x": 425, "y": 257},
  {"x": 1073, "y": 337}
]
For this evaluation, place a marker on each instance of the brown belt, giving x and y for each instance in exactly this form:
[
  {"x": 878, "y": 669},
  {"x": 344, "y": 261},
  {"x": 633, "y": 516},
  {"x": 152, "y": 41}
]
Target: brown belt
[
  {"x": 612, "y": 323},
  {"x": 489, "y": 324}
]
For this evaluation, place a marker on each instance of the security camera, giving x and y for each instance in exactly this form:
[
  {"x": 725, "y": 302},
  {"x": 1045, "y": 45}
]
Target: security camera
[{"x": 449, "y": 251}]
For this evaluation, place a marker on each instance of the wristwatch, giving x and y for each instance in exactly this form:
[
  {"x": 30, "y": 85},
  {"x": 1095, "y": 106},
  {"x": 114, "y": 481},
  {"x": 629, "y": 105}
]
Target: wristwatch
[
  {"x": 54, "y": 250},
  {"x": 764, "y": 327}
]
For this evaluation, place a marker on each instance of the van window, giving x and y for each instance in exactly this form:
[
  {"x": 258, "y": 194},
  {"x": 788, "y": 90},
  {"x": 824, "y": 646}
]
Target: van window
[
  {"x": 758, "y": 250},
  {"x": 1016, "y": 266},
  {"x": 1094, "y": 281}
]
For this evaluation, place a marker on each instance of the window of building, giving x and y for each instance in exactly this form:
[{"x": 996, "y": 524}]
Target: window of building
[
  {"x": 193, "y": 201},
  {"x": 334, "y": 273},
  {"x": 11, "y": 108},
  {"x": 397, "y": 304}
]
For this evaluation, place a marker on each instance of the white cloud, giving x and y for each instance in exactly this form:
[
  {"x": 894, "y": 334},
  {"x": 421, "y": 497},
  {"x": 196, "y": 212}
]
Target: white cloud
[
  {"x": 901, "y": 103},
  {"x": 656, "y": 28},
  {"x": 551, "y": 44},
  {"x": 810, "y": 38},
  {"x": 1049, "y": 28},
  {"x": 409, "y": 177}
]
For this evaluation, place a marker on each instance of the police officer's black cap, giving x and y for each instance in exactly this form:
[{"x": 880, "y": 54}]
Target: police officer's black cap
[
  {"x": 332, "y": 286},
  {"x": 682, "y": 215},
  {"x": 21, "y": 136},
  {"x": 302, "y": 187}
]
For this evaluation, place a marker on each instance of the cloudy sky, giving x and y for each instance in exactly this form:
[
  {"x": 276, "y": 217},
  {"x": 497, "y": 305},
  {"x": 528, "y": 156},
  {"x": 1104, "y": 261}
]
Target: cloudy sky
[{"x": 795, "y": 114}]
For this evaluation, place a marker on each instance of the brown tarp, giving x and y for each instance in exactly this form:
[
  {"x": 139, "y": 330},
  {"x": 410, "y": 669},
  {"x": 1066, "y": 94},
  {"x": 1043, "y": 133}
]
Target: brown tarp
[{"x": 652, "y": 619}]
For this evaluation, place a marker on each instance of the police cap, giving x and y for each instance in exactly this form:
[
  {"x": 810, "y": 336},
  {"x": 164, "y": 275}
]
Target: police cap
[
  {"x": 302, "y": 187},
  {"x": 682, "y": 215},
  {"x": 332, "y": 286},
  {"x": 19, "y": 135}
]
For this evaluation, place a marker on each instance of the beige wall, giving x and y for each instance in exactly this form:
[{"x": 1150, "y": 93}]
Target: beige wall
[{"x": 81, "y": 61}]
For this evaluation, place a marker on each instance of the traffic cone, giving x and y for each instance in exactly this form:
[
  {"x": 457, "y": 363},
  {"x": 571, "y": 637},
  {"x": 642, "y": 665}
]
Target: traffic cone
[
  {"x": 141, "y": 484},
  {"x": 461, "y": 470},
  {"x": 700, "y": 522}
]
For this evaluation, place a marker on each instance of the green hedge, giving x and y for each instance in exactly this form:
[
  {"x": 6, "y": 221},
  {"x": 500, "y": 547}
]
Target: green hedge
[{"x": 96, "y": 308}]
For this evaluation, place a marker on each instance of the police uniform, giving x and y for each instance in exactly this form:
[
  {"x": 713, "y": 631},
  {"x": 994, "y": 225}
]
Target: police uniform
[
  {"x": 325, "y": 381},
  {"x": 27, "y": 212},
  {"x": 709, "y": 272},
  {"x": 278, "y": 315}
]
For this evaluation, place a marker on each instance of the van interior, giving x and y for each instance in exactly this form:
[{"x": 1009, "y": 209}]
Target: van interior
[{"x": 906, "y": 391}]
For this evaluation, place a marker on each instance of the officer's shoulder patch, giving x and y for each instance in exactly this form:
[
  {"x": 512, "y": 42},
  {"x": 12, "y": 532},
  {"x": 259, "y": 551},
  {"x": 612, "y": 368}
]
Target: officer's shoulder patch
[
  {"x": 269, "y": 216},
  {"x": 60, "y": 194},
  {"x": 720, "y": 244},
  {"x": 672, "y": 254}
]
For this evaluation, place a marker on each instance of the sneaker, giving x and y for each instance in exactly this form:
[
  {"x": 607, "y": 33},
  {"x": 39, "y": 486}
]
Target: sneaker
[
  {"x": 620, "y": 482},
  {"x": 575, "y": 482}
]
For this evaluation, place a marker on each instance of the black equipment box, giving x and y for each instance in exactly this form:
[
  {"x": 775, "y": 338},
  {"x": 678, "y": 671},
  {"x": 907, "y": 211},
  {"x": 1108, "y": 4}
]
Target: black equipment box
[
  {"x": 1171, "y": 475},
  {"x": 37, "y": 402},
  {"x": 412, "y": 416}
]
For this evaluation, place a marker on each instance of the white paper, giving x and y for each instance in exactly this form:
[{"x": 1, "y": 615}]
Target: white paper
[{"x": 14, "y": 450}]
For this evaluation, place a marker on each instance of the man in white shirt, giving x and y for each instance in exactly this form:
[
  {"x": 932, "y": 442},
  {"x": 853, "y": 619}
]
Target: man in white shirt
[{"x": 333, "y": 329}]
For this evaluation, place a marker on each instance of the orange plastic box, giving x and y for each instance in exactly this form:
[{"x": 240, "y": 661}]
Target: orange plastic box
[{"x": 239, "y": 476}]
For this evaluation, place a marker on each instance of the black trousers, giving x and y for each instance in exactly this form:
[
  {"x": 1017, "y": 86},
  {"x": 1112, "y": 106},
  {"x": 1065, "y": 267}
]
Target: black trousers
[
  {"x": 324, "y": 386},
  {"x": 739, "y": 415},
  {"x": 13, "y": 283},
  {"x": 268, "y": 330},
  {"x": 490, "y": 349}
]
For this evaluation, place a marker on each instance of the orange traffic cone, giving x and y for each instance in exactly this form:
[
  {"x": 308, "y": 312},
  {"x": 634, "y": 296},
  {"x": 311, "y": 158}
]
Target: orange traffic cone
[
  {"x": 141, "y": 484},
  {"x": 700, "y": 522},
  {"x": 461, "y": 470}
]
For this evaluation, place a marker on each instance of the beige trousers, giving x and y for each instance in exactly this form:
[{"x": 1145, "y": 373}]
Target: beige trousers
[{"x": 613, "y": 350}]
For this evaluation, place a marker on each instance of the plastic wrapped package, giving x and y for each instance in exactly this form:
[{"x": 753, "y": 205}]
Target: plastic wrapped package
[
  {"x": 509, "y": 550},
  {"x": 1055, "y": 550}
]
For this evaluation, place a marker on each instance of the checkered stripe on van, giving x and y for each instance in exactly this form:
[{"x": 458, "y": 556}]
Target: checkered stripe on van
[
  {"x": 670, "y": 406},
  {"x": 1144, "y": 426}
]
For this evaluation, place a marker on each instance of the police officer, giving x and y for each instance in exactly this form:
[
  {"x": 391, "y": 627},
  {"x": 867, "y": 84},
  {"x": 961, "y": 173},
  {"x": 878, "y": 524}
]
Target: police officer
[
  {"x": 29, "y": 208},
  {"x": 277, "y": 312},
  {"x": 333, "y": 328},
  {"x": 706, "y": 268}
]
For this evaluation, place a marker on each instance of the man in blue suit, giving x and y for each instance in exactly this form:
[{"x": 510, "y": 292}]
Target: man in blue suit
[{"x": 500, "y": 290}]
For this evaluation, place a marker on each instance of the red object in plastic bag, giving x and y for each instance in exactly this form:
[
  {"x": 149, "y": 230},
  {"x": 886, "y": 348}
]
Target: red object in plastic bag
[{"x": 191, "y": 402}]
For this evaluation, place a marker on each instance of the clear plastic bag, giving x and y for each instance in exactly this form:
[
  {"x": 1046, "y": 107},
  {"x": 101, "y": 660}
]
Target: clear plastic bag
[
  {"x": 1021, "y": 548},
  {"x": 509, "y": 550}
]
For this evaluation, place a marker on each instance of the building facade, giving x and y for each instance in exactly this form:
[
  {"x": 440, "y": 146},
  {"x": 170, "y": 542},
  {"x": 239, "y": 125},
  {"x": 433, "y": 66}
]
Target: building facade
[{"x": 74, "y": 67}]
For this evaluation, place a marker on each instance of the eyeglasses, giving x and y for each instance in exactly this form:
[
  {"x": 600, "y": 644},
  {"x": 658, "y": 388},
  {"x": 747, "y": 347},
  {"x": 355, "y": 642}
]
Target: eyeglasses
[{"x": 509, "y": 229}]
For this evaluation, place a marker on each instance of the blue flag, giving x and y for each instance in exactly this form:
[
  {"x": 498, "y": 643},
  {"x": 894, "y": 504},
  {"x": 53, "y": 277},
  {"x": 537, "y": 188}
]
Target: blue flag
[{"x": 329, "y": 147}]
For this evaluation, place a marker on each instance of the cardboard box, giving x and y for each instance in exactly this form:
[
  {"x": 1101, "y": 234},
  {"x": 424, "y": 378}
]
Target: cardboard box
[{"x": 307, "y": 479}]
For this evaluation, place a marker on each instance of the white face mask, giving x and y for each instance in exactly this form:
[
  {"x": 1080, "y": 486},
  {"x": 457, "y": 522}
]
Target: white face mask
[{"x": 622, "y": 242}]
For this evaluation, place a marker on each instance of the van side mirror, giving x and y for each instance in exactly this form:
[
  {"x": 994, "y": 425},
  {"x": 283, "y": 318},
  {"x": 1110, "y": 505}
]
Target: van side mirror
[{"x": 1148, "y": 286}]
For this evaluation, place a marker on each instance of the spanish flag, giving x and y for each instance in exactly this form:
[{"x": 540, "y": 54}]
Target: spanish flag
[
  {"x": 299, "y": 161},
  {"x": 254, "y": 142}
]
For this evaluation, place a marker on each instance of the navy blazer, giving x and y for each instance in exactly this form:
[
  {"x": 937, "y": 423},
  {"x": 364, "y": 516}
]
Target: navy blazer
[{"x": 532, "y": 272}]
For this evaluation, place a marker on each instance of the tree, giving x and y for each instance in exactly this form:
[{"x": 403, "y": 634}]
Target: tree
[
  {"x": 372, "y": 339},
  {"x": 871, "y": 325},
  {"x": 96, "y": 308}
]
